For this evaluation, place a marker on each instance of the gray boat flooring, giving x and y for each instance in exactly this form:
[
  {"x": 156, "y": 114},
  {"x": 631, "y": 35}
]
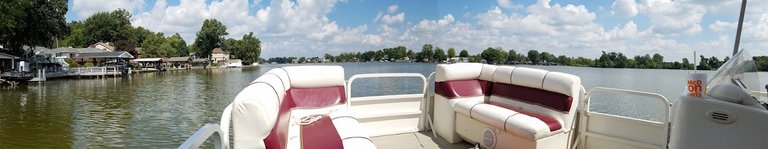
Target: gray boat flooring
[{"x": 417, "y": 140}]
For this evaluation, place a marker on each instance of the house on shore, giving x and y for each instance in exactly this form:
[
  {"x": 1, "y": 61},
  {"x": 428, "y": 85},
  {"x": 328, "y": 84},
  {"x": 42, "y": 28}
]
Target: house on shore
[
  {"x": 218, "y": 55},
  {"x": 104, "y": 46}
]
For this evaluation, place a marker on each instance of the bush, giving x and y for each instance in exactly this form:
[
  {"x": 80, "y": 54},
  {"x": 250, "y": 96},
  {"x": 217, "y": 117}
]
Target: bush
[
  {"x": 88, "y": 64},
  {"x": 71, "y": 63}
]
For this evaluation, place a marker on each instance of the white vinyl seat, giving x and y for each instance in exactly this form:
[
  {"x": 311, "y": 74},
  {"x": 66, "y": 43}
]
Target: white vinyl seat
[
  {"x": 532, "y": 108},
  {"x": 266, "y": 113}
]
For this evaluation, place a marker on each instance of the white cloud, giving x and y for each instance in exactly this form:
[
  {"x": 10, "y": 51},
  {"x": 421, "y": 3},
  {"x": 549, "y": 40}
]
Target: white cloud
[
  {"x": 627, "y": 8},
  {"x": 392, "y": 8},
  {"x": 392, "y": 19},
  {"x": 720, "y": 26},
  {"x": 303, "y": 28},
  {"x": 674, "y": 17},
  {"x": 508, "y": 5},
  {"x": 85, "y": 8}
]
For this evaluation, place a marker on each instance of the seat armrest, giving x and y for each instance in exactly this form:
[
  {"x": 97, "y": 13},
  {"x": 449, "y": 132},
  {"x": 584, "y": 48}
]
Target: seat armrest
[{"x": 203, "y": 134}]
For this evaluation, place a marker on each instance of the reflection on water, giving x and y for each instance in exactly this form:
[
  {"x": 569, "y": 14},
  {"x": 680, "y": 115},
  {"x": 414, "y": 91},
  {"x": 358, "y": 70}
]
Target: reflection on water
[{"x": 160, "y": 110}]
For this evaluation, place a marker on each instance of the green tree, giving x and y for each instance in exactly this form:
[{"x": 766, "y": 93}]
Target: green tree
[
  {"x": 687, "y": 64},
  {"x": 563, "y": 60},
  {"x": 32, "y": 23},
  {"x": 178, "y": 44},
  {"x": 703, "y": 63},
  {"x": 76, "y": 36},
  {"x": 439, "y": 55},
  {"x": 493, "y": 55},
  {"x": 451, "y": 52},
  {"x": 533, "y": 56},
  {"x": 303, "y": 60},
  {"x": 328, "y": 57},
  {"x": 107, "y": 26},
  {"x": 426, "y": 53},
  {"x": 547, "y": 57},
  {"x": 411, "y": 55},
  {"x": 512, "y": 56},
  {"x": 138, "y": 35},
  {"x": 210, "y": 36},
  {"x": 658, "y": 60},
  {"x": 250, "y": 49},
  {"x": 463, "y": 53},
  {"x": 155, "y": 46}
]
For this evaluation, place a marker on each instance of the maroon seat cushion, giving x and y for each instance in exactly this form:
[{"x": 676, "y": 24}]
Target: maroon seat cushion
[
  {"x": 301, "y": 98},
  {"x": 553, "y": 124},
  {"x": 551, "y": 100},
  {"x": 462, "y": 88},
  {"x": 320, "y": 134},
  {"x": 315, "y": 97}
]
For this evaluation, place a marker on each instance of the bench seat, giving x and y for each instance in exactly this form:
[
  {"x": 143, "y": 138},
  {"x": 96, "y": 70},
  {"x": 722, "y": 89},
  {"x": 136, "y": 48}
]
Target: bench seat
[
  {"x": 513, "y": 120},
  {"x": 266, "y": 114},
  {"x": 525, "y": 107}
]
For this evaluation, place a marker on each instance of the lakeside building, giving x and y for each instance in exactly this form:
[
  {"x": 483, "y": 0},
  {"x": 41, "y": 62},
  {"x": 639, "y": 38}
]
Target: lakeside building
[
  {"x": 178, "y": 62},
  {"x": 199, "y": 63},
  {"x": 104, "y": 46},
  {"x": 146, "y": 64},
  {"x": 219, "y": 54},
  {"x": 7, "y": 62}
]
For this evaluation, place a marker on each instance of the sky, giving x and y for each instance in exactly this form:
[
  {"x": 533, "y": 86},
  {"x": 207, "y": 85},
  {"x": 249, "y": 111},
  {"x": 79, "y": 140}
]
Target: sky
[{"x": 674, "y": 29}]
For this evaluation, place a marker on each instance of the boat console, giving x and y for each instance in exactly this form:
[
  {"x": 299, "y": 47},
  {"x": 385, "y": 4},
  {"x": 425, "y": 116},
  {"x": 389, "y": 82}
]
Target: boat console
[{"x": 729, "y": 116}]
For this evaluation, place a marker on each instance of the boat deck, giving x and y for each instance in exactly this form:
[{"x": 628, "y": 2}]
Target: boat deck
[{"x": 423, "y": 140}]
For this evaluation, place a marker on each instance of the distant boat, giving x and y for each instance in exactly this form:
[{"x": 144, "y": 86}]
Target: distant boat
[{"x": 233, "y": 63}]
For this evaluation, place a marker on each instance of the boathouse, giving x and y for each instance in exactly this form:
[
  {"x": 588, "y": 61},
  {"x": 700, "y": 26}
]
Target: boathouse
[
  {"x": 103, "y": 58},
  {"x": 178, "y": 62},
  {"x": 148, "y": 63},
  {"x": 7, "y": 62}
]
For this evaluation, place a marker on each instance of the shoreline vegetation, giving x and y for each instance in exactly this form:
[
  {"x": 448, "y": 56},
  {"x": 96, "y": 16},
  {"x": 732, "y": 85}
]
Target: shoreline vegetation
[
  {"x": 432, "y": 54},
  {"x": 51, "y": 30}
]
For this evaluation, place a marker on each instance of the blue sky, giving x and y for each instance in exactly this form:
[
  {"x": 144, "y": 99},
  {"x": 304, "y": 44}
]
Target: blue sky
[{"x": 563, "y": 27}]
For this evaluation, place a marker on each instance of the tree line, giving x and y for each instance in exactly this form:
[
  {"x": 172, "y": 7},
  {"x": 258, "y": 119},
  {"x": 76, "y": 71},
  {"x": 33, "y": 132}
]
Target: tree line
[
  {"x": 491, "y": 55},
  {"x": 41, "y": 23}
]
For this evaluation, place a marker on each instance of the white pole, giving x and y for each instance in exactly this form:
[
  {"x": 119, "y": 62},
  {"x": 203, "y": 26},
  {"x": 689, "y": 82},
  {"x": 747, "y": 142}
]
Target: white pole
[{"x": 694, "y": 61}]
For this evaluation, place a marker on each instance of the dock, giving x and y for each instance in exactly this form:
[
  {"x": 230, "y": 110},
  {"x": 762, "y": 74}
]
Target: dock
[{"x": 94, "y": 71}]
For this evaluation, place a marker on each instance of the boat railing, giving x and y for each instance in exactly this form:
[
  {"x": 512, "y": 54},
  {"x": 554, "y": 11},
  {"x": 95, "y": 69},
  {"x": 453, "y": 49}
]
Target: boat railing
[
  {"x": 758, "y": 93},
  {"x": 375, "y": 111},
  {"x": 622, "y": 130},
  {"x": 209, "y": 130},
  {"x": 93, "y": 71}
]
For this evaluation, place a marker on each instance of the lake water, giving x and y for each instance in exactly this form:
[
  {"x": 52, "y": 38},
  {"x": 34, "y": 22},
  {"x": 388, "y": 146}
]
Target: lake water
[{"x": 160, "y": 110}]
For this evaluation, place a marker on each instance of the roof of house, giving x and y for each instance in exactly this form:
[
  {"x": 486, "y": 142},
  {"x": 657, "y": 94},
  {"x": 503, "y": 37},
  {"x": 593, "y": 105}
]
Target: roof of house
[
  {"x": 118, "y": 54},
  {"x": 7, "y": 56},
  {"x": 147, "y": 60},
  {"x": 69, "y": 50},
  {"x": 105, "y": 44},
  {"x": 177, "y": 59},
  {"x": 217, "y": 51}
]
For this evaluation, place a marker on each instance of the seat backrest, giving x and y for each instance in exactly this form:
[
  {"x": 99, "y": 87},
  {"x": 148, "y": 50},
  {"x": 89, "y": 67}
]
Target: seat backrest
[
  {"x": 261, "y": 111},
  {"x": 463, "y": 79},
  {"x": 257, "y": 107},
  {"x": 315, "y": 86},
  {"x": 551, "y": 93}
]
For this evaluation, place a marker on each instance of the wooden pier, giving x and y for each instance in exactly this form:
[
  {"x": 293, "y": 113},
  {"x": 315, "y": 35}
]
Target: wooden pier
[{"x": 94, "y": 71}]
